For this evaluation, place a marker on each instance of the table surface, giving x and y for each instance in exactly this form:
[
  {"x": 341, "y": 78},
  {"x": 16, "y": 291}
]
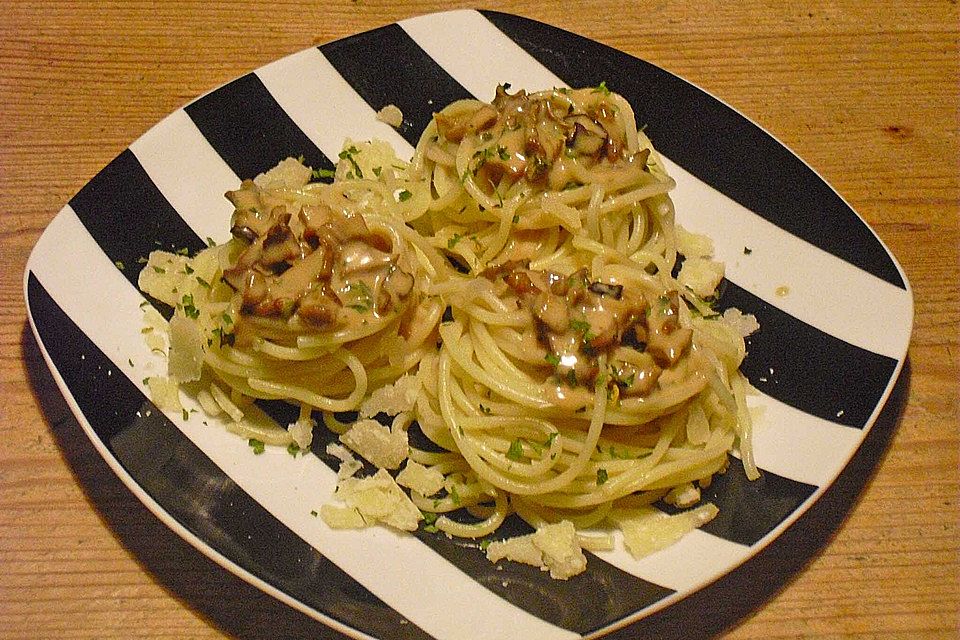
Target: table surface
[{"x": 865, "y": 92}]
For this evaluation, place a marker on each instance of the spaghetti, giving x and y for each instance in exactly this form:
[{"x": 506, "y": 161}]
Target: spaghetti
[{"x": 579, "y": 373}]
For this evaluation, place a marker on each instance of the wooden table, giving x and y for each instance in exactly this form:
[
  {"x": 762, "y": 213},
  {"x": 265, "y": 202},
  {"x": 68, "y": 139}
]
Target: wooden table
[{"x": 866, "y": 92}]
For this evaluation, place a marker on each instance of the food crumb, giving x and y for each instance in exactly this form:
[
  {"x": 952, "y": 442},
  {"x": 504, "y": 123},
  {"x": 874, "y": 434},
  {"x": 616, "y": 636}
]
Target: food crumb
[
  {"x": 782, "y": 290},
  {"x": 391, "y": 114}
]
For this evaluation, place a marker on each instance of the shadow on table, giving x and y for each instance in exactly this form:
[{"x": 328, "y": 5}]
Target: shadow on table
[
  {"x": 234, "y": 606},
  {"x": 244, "y": 611},
  {"x": 734, "y": 597}
]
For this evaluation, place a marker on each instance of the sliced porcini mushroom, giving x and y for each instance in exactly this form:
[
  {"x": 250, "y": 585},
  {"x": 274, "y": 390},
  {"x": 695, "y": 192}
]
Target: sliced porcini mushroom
[
  {"x": 615, "y": 291},
  {"x": 312, "y": 218},
  {"x": 357, "y": 256},
  {"x": 503, "y": 101},
  {"x": 552, "y": 310},
  {"x": 666, "y": 348},
  {"x": 638, "y": 378},
  {"x": 583, "y": 142},
  {"x": 319, "y": 308},
  {"x": 455, "y": 127},
  {"x": 520, "y": 282},
  {"x": 398, "y": 284},
  {"x": 302, "y": 274},
  {"x": 666, "y": 340},
  {"x": 279, "y": 245},
  {"x": 254, "y": 288},
  {"x": 250, "y": 217}
]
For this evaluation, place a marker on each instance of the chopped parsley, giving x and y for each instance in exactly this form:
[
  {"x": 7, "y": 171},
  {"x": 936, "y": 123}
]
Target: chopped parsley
[
  {"x": 602, "y": 88},
  {"x": 364, "y": 299},
  {"x": 485, "y": 410},
  {"x": 601, "y": 476},
  {"x": 189, "y": 309},
  {"x": 404, "y": 195},
  {"x": 210, "y": 242},
  {"x": 583, "y": 328},
  {"x": 186, "y": 414},
  {"x": 452, "y": 242},
  {"x": 552, "y": 359},
  {"x": 293, "y": 449},
  {"x": 119, "y": 265},
  {"x": 257, "y": 446},
  {"x": 322, "y": 174},
  {"x": 515, "y": 452},
  {"x": 747, "y": 251},
  {"x": 313, "y": 512},
  {"x": 347, "y": 154}
]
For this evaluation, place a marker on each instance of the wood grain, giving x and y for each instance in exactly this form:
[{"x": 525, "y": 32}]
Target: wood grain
[{"x": 866, "y": 92}]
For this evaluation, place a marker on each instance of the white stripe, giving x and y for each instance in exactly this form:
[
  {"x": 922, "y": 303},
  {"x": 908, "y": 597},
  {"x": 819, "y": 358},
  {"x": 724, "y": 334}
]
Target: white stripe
[
  {"x": 817, "y": 287},
  {"x": 688, "y": 564},
  {"x": 824, "y": 291},
  {"x": 324, "y": 105},
  {"x": 799, "y": 446},
  {"x": 189, "y": 173},
  {"x": 386, "y": 563},
  {"x": 502, "y": 60}
]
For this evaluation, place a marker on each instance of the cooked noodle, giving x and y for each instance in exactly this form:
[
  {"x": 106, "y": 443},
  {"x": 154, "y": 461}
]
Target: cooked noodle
[{"x": 574, "y": 374}]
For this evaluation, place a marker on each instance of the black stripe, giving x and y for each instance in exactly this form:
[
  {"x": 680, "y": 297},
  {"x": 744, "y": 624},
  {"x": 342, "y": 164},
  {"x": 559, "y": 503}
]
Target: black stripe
[
  {"x": 749, "y": 509},
  {"x": 193, "y": 490},
  {"x": 404, "y": 75},
  {"x": 128, "y": 216},
  {"x": 250, "y": 131},
  {"x": 806, "y": 368},
  {"x": 711, "y": 141}
]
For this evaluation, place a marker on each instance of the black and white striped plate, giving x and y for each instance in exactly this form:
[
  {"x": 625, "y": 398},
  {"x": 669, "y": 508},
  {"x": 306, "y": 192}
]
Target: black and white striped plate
[{"x": 825, "y": 359}]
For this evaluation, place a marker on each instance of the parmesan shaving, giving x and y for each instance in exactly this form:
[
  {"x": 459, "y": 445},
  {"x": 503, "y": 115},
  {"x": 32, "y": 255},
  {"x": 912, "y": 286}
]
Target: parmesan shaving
[
  {"x": 693, "y": 245},
  {"x": 743, "y": 323},
  {"x": 185, "y": 358},
  {"x": 419, "y": 478},
  {"x": 647, "y": 530},
  {"x": 165, "y": 393},
  {"x": 376, "y": 443},
  {"x": 553, "y": 547},
  {"x": 302, "y": 433},
  {"x": 393, "y": 398},
  {"x": 700, "y": 275},
  {"x": 289, "y": 174},
  {"x": 375, "y": 499},
  {"x": 348, "y": 464},
  {"x": 391, "y": 115}
]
